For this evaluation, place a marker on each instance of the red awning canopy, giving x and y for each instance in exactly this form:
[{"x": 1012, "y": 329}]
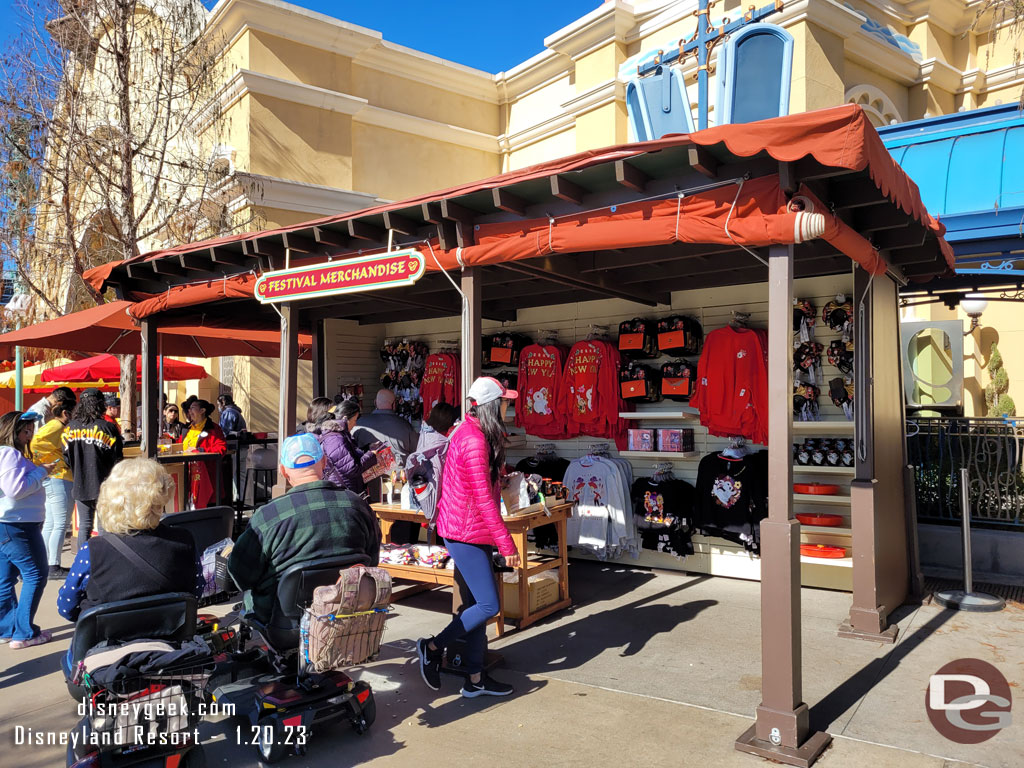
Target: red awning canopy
[
  {"x": 108, "y": 368},
  {"x": 107, "y": 328},
  {"x": 744, "y": 212}
]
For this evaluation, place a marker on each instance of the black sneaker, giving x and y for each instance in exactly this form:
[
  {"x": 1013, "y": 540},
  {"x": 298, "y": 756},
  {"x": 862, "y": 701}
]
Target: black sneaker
[
  {"x": 430, "y": 664},
  {"x": 56, "y": 573},
  {"x": 487, "y": 686}
]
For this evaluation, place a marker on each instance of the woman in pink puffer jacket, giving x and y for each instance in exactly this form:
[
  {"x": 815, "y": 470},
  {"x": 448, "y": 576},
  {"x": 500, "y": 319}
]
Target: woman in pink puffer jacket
[{"x": 469, "y": 519}]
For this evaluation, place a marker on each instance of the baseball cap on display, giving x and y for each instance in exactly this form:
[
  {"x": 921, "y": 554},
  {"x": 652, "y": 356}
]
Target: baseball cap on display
[
  {"x": 299, "y": 451},
  {"x": 486, "y": 390}
]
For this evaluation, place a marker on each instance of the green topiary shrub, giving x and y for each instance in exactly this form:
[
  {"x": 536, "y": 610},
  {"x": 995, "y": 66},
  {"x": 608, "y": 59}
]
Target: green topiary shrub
[{"x": 998, "y": 402}]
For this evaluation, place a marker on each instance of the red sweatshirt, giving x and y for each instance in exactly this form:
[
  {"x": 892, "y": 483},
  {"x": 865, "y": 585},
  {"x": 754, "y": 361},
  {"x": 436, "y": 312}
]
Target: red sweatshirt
[
  {"x": 590, "y": 395},
  {"x": 732, "y": 384},
  {"x": 540, "y": 388},
  {"x": 441, "y": 382}
]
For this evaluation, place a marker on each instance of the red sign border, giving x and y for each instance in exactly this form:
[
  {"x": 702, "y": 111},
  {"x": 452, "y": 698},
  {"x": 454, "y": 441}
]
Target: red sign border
[{"x": 408, "y": 280}]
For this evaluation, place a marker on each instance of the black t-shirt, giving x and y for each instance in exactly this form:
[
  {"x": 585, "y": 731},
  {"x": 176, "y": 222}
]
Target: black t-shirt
[
  {"x": 732, "y": 497},
  {"x": 553, "y": 468},
  {"x": 663, "y": 512}
]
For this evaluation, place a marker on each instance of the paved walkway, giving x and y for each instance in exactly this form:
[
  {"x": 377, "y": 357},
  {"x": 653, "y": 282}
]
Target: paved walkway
[{"x": 654, "y": 669}]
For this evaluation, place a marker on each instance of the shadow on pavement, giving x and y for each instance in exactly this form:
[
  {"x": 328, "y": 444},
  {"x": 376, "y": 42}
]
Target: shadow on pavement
[{"x": 853, "y": 689}]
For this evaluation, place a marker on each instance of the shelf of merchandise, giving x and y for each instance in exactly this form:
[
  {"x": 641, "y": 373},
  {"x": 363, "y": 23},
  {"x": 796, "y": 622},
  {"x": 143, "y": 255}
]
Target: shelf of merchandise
[
  {"x": 684, "y": 414},
  {"x": 821, "y": 498},
  {"x": 805, "y": 469},
  {"x": 677, "y": 455},
  {"x": 835, "y": 562},
  {"x": 823, "y": 428},
  {"x": 834, "y": 530},
  {"x": 515, "y": 441}
]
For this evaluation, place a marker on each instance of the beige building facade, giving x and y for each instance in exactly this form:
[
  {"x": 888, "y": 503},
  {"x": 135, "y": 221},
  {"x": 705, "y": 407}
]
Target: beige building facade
[{"x": 324, "y": 116}]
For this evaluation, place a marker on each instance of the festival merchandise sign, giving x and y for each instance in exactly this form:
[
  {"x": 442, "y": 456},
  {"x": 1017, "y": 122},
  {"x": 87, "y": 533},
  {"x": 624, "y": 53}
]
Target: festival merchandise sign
[{"x": 366, "y": 273}]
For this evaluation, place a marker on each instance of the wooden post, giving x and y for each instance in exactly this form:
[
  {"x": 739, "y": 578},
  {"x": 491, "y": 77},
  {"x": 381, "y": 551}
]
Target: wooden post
[
  {"x": 289, "y": 383},
  {"x": 320, "y": 359},
  {"x": 881, "y": 564},
  {"x": 472, "y": 353},
  {"x": 151, "y": 416},
  {"x": 781, "y": 730}
]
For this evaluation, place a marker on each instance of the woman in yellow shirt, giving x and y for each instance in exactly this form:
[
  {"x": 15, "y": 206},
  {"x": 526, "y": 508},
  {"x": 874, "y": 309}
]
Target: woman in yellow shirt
[{"x": 46, "y": 448}]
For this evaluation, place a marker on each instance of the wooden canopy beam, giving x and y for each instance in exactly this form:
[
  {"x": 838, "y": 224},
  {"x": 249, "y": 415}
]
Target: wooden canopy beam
[
  {"x": 854, "y": 193},
  {"x": 702, "y": 161},
  {"x": 330, "y": 238},
  {"x": 230, "y": 258},
  {"x": 567, "y": 190},
  {"x": 630, "y": 176},
  {"x": 399, "y": 223},
  {"x": 300, "y": 243},
  {"x": 508, "y": 201},
  {"x": 463, "y": 218},
  {"x": 364, "y": 230},
  {"x": 548, "y": 269}
]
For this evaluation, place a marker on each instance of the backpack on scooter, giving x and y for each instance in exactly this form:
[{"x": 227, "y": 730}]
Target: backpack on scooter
[{"x": 345, "y": 623}]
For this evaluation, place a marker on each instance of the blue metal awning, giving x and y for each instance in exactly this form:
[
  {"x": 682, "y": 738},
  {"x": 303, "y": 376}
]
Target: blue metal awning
[{"x": 968, "y": 167}]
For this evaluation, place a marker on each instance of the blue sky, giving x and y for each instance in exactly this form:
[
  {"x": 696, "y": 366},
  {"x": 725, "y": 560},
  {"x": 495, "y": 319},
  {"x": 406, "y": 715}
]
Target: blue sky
[{"x": 492, "y": 36}]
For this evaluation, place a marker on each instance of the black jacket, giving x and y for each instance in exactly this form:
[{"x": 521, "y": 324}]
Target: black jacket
[
  {"x": 170, "y": 551},
  {"x": 91, "y": 451}
]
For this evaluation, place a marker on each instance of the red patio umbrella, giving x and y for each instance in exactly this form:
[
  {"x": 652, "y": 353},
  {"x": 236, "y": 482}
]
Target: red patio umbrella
[
  {"x": 108, "y": 368},
  {"x": 106, "y": 328}
]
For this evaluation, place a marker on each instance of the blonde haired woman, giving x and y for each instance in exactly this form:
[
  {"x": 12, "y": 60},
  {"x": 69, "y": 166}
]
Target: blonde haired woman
[{"x": 135, "y": 556}]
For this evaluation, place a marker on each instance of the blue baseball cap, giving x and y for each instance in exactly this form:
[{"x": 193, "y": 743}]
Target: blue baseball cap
[{"x": 301, "y": 451}]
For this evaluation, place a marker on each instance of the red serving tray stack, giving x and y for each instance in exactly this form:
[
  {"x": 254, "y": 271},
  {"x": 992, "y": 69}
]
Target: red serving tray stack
[
  {"x": 816, "y": 489},
  {"x": 824, "y": 551},
  {"x": 820, "y": 519}
]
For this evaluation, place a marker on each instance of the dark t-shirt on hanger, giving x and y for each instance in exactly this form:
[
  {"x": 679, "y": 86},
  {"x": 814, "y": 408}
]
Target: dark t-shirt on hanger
[
  {"x": 553, "y": 468},
  {"x": 732, "y": 497},
  {"x": 664, "y": 512}
]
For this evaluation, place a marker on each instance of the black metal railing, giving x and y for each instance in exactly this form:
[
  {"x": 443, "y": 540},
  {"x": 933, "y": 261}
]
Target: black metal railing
[{"x": 990, "y": 449}]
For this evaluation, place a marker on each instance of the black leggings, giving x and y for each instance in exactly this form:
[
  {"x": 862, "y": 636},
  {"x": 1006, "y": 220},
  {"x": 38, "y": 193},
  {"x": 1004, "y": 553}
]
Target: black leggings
[{"x": 86, "y": 517}]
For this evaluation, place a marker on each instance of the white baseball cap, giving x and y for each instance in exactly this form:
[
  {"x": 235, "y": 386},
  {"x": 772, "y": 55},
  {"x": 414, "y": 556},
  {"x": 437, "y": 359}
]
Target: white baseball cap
[{"x": 486, "y": 390}]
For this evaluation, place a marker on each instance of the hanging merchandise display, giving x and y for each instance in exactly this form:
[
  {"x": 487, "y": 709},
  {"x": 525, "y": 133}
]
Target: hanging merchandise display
[
  {"x": 804, "y": 317},
  {"x": 663, "y": 511},
  {"x": 732, "y": 384},
  {"x": 638, "y": 339},
  {"x": 404, "y": 364},
  {"x": 732, "y": 497},
  {"x": 841, "y": 392},
  {"x": 680, "y": 335},
  {"x": 840, "y": 354},
  {"x": 838, "y": 315},
  {"x": 805, "y": 402},
  {"x": 442, "y": 381},
  {"x": 602, "y": 520},
  {"x": 501, "y": 349},
  {"x": 590, "y": 397},
  {"x": 807, "y": 362},
  {"x": 540, "y": 387},
  {"x": 678, "y": 379},
  {"x": 640, "y": 383}
]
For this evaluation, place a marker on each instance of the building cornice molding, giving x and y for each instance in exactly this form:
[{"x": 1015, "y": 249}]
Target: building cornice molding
[
  {"x": 879, "y": 57},
  {"x": 610, "y": 22},
  {"x": 246, "y": 82},
  {"x": 314, "y": 199},
  {"x": 538, "y": 72},
  {"x": 601, "y": 95},
  {"x": 430, "y": 129},
  {"x": 431, "y": 70},
  {"x": 291, "y": 22},
  {"x": 941, "y": 75},
  {"x": 232, "y": 18}
]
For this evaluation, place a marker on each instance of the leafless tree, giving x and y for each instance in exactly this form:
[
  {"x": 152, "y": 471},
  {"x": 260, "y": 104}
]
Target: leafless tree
[
  {"x": 1005, "y": 20},
  {"x": 110, "y": 144}
]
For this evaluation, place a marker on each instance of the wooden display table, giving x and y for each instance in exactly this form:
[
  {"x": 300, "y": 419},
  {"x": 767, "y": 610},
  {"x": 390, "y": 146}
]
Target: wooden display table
[{"x": 518, "y": 527}]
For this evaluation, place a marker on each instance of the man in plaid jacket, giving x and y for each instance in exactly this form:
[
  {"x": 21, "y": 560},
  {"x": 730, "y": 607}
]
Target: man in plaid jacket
[{"x": 314, "y": 519}]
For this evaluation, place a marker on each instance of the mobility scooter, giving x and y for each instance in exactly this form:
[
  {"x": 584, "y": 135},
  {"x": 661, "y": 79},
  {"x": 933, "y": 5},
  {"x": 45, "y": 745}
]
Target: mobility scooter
[
  {"x": 143, "y": 716},
  {"x": 267, "y": 680}
]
